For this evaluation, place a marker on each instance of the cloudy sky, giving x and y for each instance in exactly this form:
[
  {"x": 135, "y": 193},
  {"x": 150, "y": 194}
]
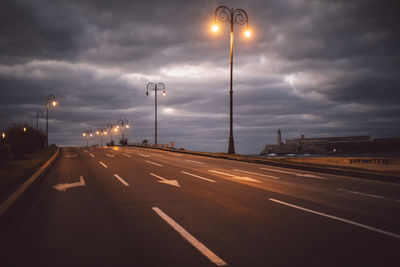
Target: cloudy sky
[{"x": 319, "y": 68}]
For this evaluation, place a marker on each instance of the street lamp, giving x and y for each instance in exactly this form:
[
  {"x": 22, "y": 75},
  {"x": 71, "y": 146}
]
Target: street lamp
[
  {"x": 50, "y": 99},
  {"x": 87, "y": 134},
  {"x": 155, "y": 87},
  {"x": 112, "y": 129},
  {"x": 124, "y": 124},
  {"x": 3, "y": 135},
  {"x": 101, "y": 132},
  {"x": 237, "y": 16},
  {"x": 37, "y": 118}
]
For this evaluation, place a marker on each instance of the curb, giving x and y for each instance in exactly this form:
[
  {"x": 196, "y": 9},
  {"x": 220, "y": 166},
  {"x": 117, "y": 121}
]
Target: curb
[{"x": 14, "y": 196}]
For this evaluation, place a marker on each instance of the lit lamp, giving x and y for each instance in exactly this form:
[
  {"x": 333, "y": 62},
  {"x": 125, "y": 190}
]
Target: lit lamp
[
  {"x": 155, "y": 87},
  {"x": 52, "y": 99}
]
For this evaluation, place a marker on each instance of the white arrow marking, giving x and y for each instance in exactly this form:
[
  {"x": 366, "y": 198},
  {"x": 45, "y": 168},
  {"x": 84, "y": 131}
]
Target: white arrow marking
[
  {"x": 109, "y": 155},
  {"x": 65, "y": 186},
  {"x": 263, "y": 175},
  {"x": 237, "y": 177},
  {"x": 127, "y": 155},
  {"x": 71, "y": 156},
  {"x": 165, "y": 181}
]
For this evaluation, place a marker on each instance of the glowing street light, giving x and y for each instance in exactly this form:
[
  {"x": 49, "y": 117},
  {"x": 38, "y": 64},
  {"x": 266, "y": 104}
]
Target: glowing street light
[
  {"x": 155, "y": 87},
  {"x": 87, "y": 134},
  {"x": 52, "y": 99},
  {"x": 101, "y": 132},
  {"x": 24, "y": 129},
  {"x": 237, "y": 16},
  {"x": 124, "y": 124},
  {"x": 3, "y": 135}
]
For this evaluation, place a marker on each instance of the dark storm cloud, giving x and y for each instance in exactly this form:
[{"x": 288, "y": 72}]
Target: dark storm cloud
[{"x": 318, "y": 68}]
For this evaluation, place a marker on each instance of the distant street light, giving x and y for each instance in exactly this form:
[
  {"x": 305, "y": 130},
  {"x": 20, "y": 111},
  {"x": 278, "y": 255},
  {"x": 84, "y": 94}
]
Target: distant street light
[
  {"x": 101, "y": 132},
  {"x": 155, "y": 87},
  {"x": 24, "y": 129},
  {"x": 50, "y": 99},
  {"x": 37, "y": 118},
  {"x": 237, "y": 16},
  {"x": 87, "y": 134},
  {"x": 124, "y": 124},
  {"x": 3, "y": 135},
  {"x": 112, "y": 129}
]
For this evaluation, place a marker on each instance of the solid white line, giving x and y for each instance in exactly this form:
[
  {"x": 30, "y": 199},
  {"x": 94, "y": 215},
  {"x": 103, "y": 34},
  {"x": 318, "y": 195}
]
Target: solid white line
[
  {"x": 368, "y": 195},
  {"x": 264, "y": 175},
  {"x": 337, "y": 218},
  {"x": 194, "y": 161},
  {"x": 104, "y": 165},
  {"x": 109, "y": 155},
  {"x": 194, "y": 175},
  {"x": 127, "y": 155},
  {"x": 121, "y": 180},
  {"x": 144, "y": 155},
  {"x": 91, "y": 155},
  {"x": 191, "y": 239},
  {"x": 295, "y": 173},
  {"x": 153, "y": 163}
]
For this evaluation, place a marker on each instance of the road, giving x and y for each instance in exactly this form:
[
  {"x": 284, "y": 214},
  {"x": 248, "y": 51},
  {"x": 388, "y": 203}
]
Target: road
[{"x": 143, "y": 207}]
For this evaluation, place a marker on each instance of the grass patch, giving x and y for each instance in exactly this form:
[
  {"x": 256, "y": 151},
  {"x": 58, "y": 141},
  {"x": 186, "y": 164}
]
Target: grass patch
[{"x": 13, "y": 173}]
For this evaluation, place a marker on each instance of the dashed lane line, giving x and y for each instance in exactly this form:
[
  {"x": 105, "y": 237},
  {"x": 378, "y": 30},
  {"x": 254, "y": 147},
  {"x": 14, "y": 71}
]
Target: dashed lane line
[
  {"x": 337, "y": 218},
  {"x": 191, "y": 239},
  {"x": 121, "y": 180},
  {"x": 368, "y": 195},
  {"x": 109, "y": 155},
  {"x": 198, "y": 162},
  {"x": 148, "y": 161},
  {"x": 144, "y": 155},
  {"x": 259, "y": 174},
  {"x": 296, "y": 173},
  {"x": 197, "y": 176},
  {"x": 127, "y": 155},
  {"x": 104, "y": 165},
  {"x": 236, "y": 177},
  {"x": 92, "y": 155}
]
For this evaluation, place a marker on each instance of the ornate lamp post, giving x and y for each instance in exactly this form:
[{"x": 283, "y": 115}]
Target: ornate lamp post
[
  {"x": 87, "y": 134},
  {"x": 101, "y": 132},
  {"x": 52, "y": 99},
  {"x": 237, "y": 16},
  {"x": 155, "y": 87},
  {"x": 124, "y": 124},
  {"x": 112, "y": 127},
  {"x": 37, "y": 118}
]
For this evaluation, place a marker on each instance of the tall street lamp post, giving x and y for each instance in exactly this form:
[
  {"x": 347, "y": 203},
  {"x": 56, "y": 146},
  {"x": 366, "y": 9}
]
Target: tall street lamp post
[
  {"x": 101, "y": 132},
  {"x": 232, "y": 16},
  {"x": 112, "y": 128},
  {"x": 124, "y": 124},
  {"x": 37, "y": 118},
  {"x": 155, "y": 87},
  {"x": 52, "y": 99},
  {"x": 87, "y": 134}
]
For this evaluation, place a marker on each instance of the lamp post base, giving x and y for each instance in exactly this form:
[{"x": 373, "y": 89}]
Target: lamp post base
[{"x": 231, "y": 148}]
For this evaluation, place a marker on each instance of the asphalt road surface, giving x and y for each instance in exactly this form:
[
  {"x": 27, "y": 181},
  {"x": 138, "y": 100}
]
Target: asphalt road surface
[{"x": 144, "y": 207}]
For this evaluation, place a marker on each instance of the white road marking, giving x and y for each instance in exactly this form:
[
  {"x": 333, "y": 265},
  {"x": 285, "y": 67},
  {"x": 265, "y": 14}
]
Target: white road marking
[
  {"x": 121, "y": 180},
  {"x": 165, "y": 181},
  {"x": 91, "y": 148},
  {"x": 64, "y": 186},
  {"x": 176, "y": 154},
  {"x": 295, "y": 173},
  {"x": 71, "y": 156},
  {"x": 368, "y": 195},
  {"x": 263, "y": 175},
  {"x": 144, "y": 155},
  {"x": 195, "y": 161},
  {"x": 85, "y": 150},
  {"x": 191, "y": 239},
  {"x": 236, "y": 177},
  {"x": 194, "y": 175},
  {"x": 92, "y": 155},
  {"x": 104, "y": 165},
  {"x": 148, "y": 161},
  {"x": 337, "y": 218},
  {"x": 127, "y": 155},
  {"x": 109, "y": 155}
]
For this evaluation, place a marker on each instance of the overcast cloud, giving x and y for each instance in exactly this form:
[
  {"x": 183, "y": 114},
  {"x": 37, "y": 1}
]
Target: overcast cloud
[{"x": 319, "y": 68}]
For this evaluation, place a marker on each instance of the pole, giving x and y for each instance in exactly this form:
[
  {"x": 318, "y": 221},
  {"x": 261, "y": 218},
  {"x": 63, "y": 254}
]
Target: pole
[
  {"x": 155, "y": 132},
  {"x": 47, "y": 123},
  {"x": 101, "y": 139},
  {"x": 231, "y": 148},
  {"x": 37, "y": 120}
]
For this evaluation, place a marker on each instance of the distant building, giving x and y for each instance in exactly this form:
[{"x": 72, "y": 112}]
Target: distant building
[{"x": 333, "y": 145}]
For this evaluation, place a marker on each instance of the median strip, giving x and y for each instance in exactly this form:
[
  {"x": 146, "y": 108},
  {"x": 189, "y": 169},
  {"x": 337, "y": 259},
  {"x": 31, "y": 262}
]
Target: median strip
[
  {"x": 191, "y": 239},
  {"x": 337, "y": 218}
]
